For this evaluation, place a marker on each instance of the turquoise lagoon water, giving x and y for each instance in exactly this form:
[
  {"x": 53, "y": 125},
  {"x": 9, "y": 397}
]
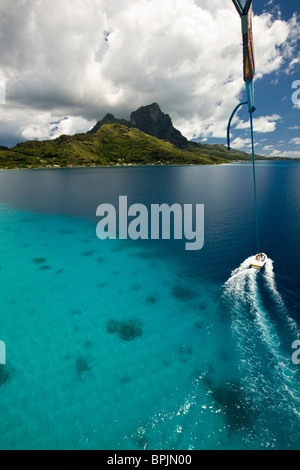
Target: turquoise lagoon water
[{"x": 141, "y": 345}]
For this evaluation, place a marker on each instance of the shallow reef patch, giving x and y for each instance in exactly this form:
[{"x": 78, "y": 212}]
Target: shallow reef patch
[
  {"x": 39, "y": 260},
  {"x": 127, "y": 330},
  {"x": 151, "y": 299},
  {"x": 102, "y": 285},
  {"x": 183, "y": 293},
  {"x": 236, "y": 408},
  {"x": 137, "y": 287},
  {"x": 45, "y": 268},
  {"x": 4, "y": 374},
  {"x": 81, "y": 366},
  {"x": 184, "y": 353},
  {"x": 76, "y": 311},
  {"x": 88, "y": 253},
  {"x": 141, "y": 439},
  {"x": 199, "y": 325},
  {"x": 60, "y": 271},
  {"x": 125, "y": 379}
]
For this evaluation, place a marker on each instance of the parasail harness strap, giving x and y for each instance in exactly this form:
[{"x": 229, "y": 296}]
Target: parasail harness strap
[{"x": 253, "y": 156}]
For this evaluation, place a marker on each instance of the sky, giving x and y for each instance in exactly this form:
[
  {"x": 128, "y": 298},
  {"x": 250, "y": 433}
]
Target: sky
[{"x": 64, "y": 64}]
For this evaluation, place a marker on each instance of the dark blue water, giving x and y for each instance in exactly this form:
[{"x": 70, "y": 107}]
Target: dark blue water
[{"x": 209, "y": 361}]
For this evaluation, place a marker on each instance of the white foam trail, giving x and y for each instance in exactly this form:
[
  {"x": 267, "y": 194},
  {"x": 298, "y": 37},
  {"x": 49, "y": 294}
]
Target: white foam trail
[
  {"x": 241, "y": 269},
  {"x": 236, "y": 292},
  {"x": 269, "y": 277},
  {"x": 235, "y": 286},
  {"x": 242, "y": 290},
  {"x": 269, "y": 334}
]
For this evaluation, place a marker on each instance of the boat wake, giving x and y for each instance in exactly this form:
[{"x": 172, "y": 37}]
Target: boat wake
[
  {"x": 262, "y": 333},
  {"x": 246, "y": 391}
]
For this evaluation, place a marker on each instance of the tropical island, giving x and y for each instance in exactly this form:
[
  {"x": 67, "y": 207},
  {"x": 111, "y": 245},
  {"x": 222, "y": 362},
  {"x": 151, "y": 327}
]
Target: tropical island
[{"x": 149, "y": 138}]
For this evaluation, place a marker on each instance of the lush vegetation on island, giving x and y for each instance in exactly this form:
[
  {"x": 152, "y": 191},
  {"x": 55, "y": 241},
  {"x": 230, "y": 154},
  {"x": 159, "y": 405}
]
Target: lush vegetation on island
[{"x": 117, "y": 142}]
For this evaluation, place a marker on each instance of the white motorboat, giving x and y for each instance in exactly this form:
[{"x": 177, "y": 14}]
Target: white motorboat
[{"x": 259, "y": 261}]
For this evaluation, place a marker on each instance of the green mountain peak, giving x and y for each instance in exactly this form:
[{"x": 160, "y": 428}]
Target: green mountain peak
[{"x": 149, "y": 138}]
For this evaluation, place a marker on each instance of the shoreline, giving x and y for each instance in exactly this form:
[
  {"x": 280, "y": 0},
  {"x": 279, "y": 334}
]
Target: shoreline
[{"x": 151, "y": 165}]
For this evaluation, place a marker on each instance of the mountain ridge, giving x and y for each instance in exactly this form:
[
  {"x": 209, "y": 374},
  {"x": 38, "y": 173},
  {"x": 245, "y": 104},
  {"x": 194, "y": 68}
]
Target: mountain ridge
[
  {"x": 150, "y": 120},
  {"x": 149, "y": 138}
]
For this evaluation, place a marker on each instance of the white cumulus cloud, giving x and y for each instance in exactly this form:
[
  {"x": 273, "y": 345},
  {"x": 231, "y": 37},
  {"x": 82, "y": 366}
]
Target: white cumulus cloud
[
  {"x": 263, "y": 124},
  {"x": 83, "y": 58}
]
